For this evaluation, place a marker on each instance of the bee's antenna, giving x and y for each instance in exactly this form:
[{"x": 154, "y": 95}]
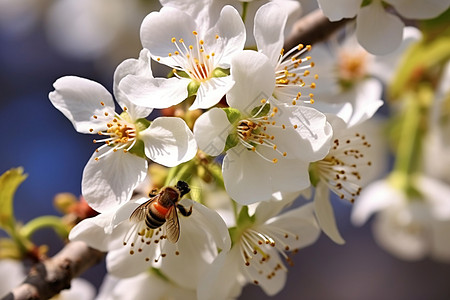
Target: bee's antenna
[{"x": 183, "y": 187}]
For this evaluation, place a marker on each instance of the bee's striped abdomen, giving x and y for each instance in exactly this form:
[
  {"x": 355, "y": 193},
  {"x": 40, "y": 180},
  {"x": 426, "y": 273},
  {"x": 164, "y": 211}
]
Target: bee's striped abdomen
[{"x": 155, "y": 217}]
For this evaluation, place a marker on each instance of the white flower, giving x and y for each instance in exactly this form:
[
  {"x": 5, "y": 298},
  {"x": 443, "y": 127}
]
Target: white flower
[
  {"x": 14, "y": 273},
  {"x": 379, "y": 31},
  {"x": 258, "y": 243},
  {"x": 292, "y": 68},
  {"x": 195, "y": 52},
  {"x": 133, "y": 248},
  {"x": 348, "y": 83},
  {"x": 141, "y": 287},
  {"x": 208, "y": 12},
  {"x": 113, "y": 171},
  {"x": 409, "y": 227},
  {"x": 268, "y": 145},
  {"x": 341, "y": 172}
]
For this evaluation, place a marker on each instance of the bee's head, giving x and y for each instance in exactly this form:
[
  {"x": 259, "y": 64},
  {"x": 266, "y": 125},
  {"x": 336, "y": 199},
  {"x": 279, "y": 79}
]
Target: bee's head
[{"x": 183, "y": 187}]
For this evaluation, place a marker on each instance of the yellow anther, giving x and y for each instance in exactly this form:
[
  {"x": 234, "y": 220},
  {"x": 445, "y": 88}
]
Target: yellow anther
[
  {"x": 191, "y": 47},
  {"x": 312, "y": 101},
  {"x": 217, "y": 36},
  {"x": 306, "y": 73},
  {"x": 125, "y": 108},
  {"x": 284, "y": 153},
  {"x": 275, "y": 109},
  {"x": 194, "y": 32},
  {"x": 295, "y": 126},
  {"x": 208, "y": 57},
  {"x": 294, "y": 102},
  {"x": 94, "y": 116},
  {"x": 96, "y": 158},
  {"x": 274, "y": 160},
  {"x": 91, "y": 130},
  {"x": 312, "y": 64},
  {"x": 174, "y": 40},
  {"x": 308, "y": 57},
  {"x": 176, "y": 52},
  {"x": 201, "y": 42},
  {"x": 313, "y": 85},
  {"x": 263, "y": 101},
  {"x": 274, "y": 147},
  {"x": 106, "y": 114},
  {"x": 212, "y": 54},
  {"x": 300, "y": 47},
  {"x": 181, "y": 41},
  {"x": 253, "y": 148},
  {"x": 283, "y": 126},
  {"x": 102, "y": 103},
  {"x": 158, "y": 59},
  {"x": 170, "y": 54},
  {"x": 316, "y": 76},
  {"x": 311, "y": 95},
  {"x": 308, "y": 47}
]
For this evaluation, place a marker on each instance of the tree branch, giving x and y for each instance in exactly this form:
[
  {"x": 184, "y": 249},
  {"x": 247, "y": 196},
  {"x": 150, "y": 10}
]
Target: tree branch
[
  {"x": 312, "y": 28},
  {"x": 50, "y": 277}
]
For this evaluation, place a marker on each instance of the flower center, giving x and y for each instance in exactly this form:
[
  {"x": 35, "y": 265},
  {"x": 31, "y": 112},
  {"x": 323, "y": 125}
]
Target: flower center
[
  {"x": 352, "y": 65},
  {"x": 253, "y": 132},
  {"x": 120, "y": 133},
  {"x": 291, "y": 70},
  {"x": 340, "y": 168},
  {"x": 195, "y": 60},
  {"x": 254, "y": 247},
  {"x": 140, "y": 236}
]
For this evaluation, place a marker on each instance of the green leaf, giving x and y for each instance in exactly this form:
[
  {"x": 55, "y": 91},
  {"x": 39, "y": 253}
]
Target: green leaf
[
  {"x": 9, "y": 182},
  {"x": 233, "y": 114}
]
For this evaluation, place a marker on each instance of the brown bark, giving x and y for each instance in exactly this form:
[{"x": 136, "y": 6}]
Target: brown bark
[
  {"x": 312, "y": 28},
  {"x": 48, "y": 278}
]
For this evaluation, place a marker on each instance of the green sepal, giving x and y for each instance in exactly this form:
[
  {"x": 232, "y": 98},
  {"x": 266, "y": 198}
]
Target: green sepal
[
  {"x": 192, "y": 88},
  {"x": 9, "y": 249},
  {"x": 142, "y": 124},
  {"x": 261, "y": 111},
  {"x": 232, "y": 141},
  {"x": 138, "y": 149},
  {"x": 244, "y": 220},
  {"x": 233, "y": 114},
  {"x": 9, "y": 182},
  {"x": 366, "y": 2},
  {"x": 313, "y": 176},
  {"x": 219, "y": 72}
]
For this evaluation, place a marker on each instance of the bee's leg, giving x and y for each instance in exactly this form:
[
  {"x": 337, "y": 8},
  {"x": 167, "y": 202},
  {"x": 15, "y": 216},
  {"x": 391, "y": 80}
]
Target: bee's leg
[
  {"x": 183, "y": 210},
  {"x": 153, "y": 193}
]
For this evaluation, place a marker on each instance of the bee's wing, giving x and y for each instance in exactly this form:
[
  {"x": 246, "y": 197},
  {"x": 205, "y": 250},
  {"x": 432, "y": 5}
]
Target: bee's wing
[
  {"x": 172, "y": 225},
  {"x": 141, "y": 211}
]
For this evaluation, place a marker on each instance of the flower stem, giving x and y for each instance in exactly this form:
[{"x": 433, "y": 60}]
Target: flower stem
[{"x": 44, "y": 222}]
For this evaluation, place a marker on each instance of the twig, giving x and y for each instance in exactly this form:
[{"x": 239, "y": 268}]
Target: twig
[
  {"x": 312, "y": 28},
  {"x": 50, "y": 277}
]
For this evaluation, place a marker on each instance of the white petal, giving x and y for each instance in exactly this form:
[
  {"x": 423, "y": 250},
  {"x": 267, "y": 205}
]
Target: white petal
[
  {"x": 420, "y": 9},
  {"x": 97, "y": 232},
  {"x": 270, "y": 21},
  {"x": 338, "y": 9},
  {"x": 254, "y": 78},
  {"x": 312, "y": 135},
  {"x": 211, "y": 91},
  {"x": 270, "y": 285},
  {"x": 367, "y": 101},
  {"x": 169, "y": 141},
  {"x": 79, "y": 100},
  {"x": 201, "y": 234},
  {"x": 437, "y": 194},
  {"x": 384, "y": 67},
  {"x": 244, "y": 176},
  {"x": 220, "y": 280},
  {"x": 440, "y": 244},
  {"x": 231, "y": 32},
  {"x": 122, "y": 264},
  {"x": 343, "y": 111},
  {"x": 154, "y": 92},
  {"x": 301, "y": 222},
  {"x": 111, "y": 180},
  {"x": 15, "y": 271},
  {"x": 391, "y": 234},
  {"x": 375, "y": 197},
  {"x": 211, "y": 130},
  {"x": 378, "y": 31},
  {"x": 325, "y": 214},
  {"x": 158, "y": 29},
  {"x": 79, "y": 289},
  {"x": 132, "y": 66}
]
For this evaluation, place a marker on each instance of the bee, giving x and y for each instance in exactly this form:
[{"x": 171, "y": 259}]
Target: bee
[{"x": 162, "y": 208}]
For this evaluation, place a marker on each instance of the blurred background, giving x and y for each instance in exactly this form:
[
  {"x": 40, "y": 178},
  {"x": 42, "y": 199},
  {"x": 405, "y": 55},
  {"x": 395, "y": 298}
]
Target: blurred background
[{"x": 42, "y": 40}]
